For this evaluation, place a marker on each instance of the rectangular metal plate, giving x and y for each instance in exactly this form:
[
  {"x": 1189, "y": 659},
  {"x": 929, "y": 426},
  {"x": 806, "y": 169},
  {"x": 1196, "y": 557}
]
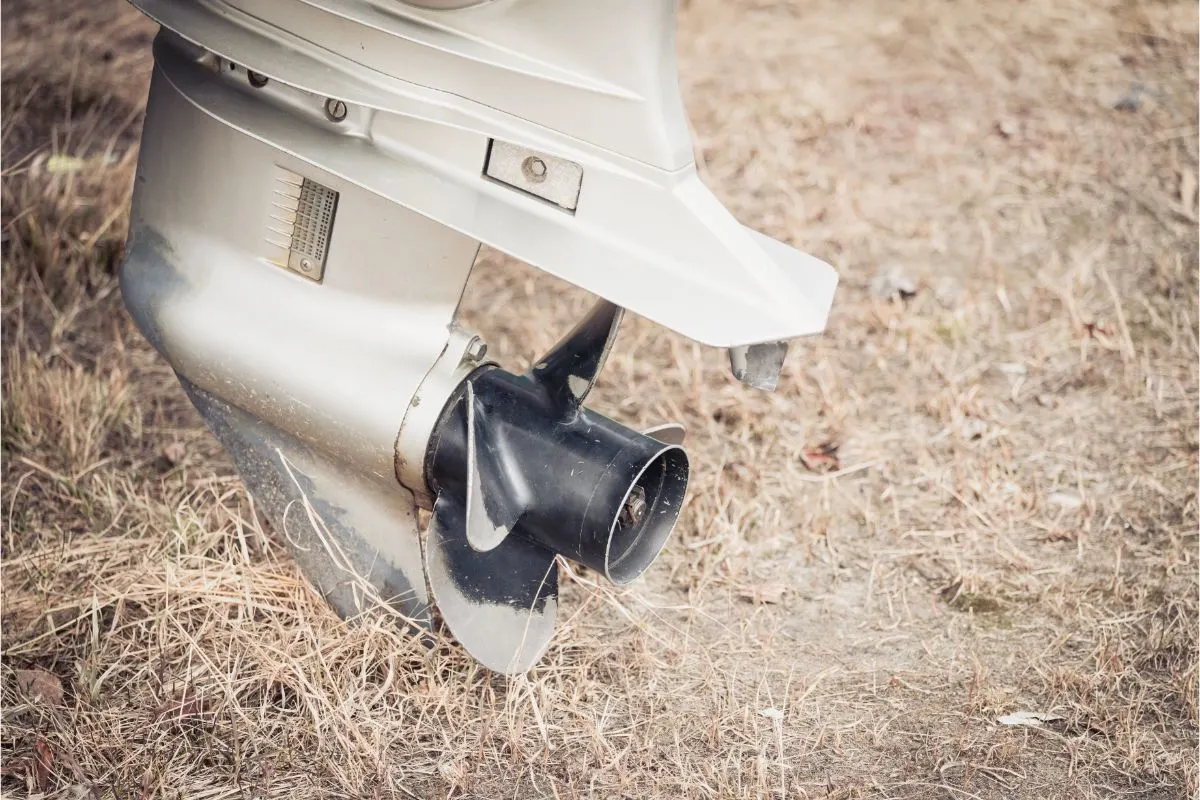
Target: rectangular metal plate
[
  {"x": 552, "y": 179},
  {"x": 302, "y": 213}
]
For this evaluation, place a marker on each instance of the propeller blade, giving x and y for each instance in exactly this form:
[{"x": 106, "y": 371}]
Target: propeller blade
[
  {"x": 667, "y": 433},
  {"x": 500, "y": 605},
  {"x": 494, "y": 491},
  {"x": 569, "y": 370}
]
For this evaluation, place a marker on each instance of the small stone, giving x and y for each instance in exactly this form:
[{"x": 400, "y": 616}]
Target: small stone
[
  {"x": 1008, "y": 127},
  {"x": 1132, "y": 99},
  {"x": 891, "y": 283}
]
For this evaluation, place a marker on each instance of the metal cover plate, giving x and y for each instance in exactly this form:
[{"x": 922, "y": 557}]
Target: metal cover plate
[{"x": 555, "y": 180}]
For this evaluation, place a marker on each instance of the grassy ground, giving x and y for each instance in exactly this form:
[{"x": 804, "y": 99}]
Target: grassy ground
[{"x": 978, "y": 500}]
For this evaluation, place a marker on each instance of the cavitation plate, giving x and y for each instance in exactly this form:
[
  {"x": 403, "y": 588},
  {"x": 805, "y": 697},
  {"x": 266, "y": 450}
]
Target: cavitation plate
[{"x": 300, "y": 224}]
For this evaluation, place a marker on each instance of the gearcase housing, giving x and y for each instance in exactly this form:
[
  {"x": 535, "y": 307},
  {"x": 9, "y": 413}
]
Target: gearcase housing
[{"x": 314, "y": 182}]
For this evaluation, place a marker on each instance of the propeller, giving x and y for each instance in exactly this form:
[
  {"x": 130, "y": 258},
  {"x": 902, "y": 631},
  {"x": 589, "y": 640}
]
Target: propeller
[{"x": 523, "y": 473}]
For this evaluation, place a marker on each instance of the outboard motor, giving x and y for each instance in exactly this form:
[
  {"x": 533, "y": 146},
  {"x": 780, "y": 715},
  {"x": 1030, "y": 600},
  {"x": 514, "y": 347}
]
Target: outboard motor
[{"x": 314, "y": 182}]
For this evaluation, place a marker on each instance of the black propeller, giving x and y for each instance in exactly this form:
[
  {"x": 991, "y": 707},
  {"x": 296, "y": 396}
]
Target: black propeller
[{"x": 522, "y": 473}]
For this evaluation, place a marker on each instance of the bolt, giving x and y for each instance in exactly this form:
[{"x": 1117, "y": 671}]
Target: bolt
[
  {"x": 336, "y": 110},
  {"x": 256, "y": 79},
  {"x": 306, "y": 265},
  {"x": 534, "y": 169},
  {"x": 635, "y": 508},
  {"x": 476, "y": 349}
]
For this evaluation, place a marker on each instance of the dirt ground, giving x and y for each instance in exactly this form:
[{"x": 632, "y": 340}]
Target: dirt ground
[{"x": 974, "y": 500}]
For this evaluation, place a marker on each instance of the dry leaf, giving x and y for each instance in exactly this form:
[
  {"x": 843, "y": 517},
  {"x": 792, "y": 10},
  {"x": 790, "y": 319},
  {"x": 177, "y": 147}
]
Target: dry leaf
[
  {"x": 821, "y": 458},
  {"x": 43, "y": 765},
  {"x": 40, "y": 686},
  {"x": 771, "y": 713}
]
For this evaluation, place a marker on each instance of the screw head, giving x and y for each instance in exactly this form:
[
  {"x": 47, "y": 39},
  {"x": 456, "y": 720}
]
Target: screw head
[
  {"x": 534, "y": 169},
  {"x": 256, "y": 79},
  {"x": 336, "y": 110},
  {"x": 306, "y": 265}
]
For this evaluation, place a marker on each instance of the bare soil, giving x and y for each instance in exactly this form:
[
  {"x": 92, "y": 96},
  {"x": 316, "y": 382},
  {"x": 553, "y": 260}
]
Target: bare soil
[{"x": 975, "y": 499}]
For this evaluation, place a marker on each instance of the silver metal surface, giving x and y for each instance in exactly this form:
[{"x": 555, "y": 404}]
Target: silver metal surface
[
  {"x": 667, "y": 433},
  {"x": 494, "y": 505},
  {"x": 334, "y": 362},
  {"x": 501, "y": 605},
  {"x": 596, "y": 71},
  {"x": 462, "y": 355},
  {"x": 305, "y": 383},
  {"x": 353, "y": 535},
  {"x": 758, "y": 365},
  {"x": 445, "y": 5},
  {"x": 539, "y": 174},
  {"x": 417, "y": 135}
]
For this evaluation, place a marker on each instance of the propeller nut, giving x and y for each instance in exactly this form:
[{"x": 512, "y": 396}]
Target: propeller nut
[{"x": 635, "y": 508}]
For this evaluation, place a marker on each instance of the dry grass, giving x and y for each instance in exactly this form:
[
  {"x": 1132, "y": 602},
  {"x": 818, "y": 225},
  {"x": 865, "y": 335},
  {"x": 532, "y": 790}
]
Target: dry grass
[{"x": 1010, "y": 521}]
